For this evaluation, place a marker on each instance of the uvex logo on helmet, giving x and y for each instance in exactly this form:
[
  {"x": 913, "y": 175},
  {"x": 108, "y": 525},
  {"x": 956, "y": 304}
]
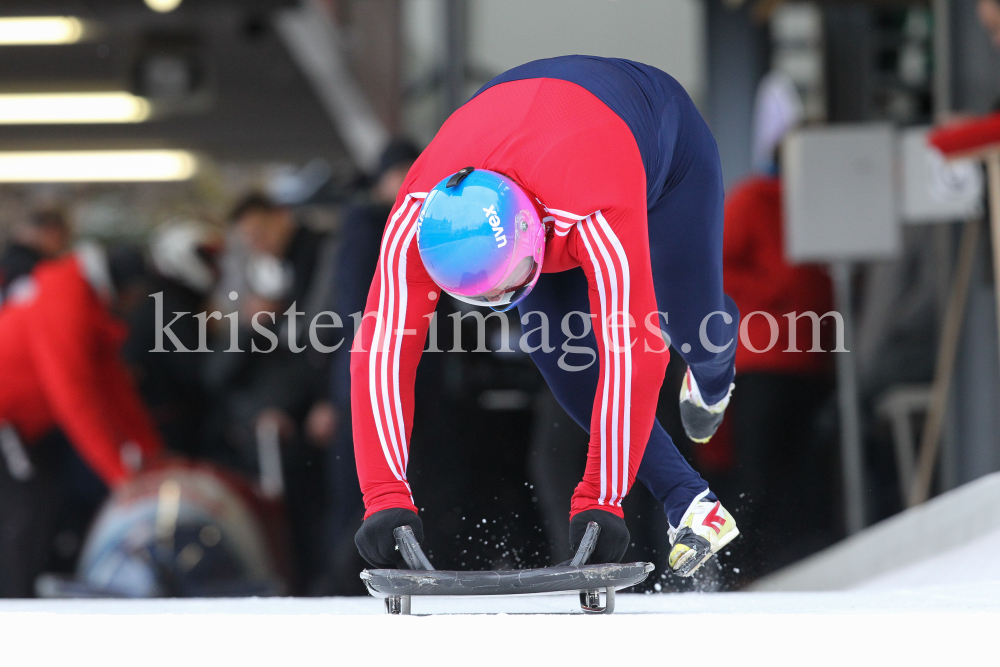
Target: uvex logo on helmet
[{"x": 494, "y": 220}]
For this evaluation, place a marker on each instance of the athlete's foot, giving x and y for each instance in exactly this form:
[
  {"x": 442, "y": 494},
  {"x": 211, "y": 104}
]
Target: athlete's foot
[
  {"x": 700, "y": 420},
  {"x": 705, "y": 528}
]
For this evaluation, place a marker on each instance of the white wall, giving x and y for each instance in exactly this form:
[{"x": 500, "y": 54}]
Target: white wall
[{"x": 668, "y": 34}]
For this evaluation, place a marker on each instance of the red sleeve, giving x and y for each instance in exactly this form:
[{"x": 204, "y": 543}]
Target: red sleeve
[
  {"x": 614, "y": 254},
  {"x": 64, "y": 344},
  {"x": 132, "y": 417},
  {"x": 384, "y": 361}
]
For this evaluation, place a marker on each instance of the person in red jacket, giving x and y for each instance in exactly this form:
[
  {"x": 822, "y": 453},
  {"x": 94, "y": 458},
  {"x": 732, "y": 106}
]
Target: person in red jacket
[
  {"x": 779, "y": 462},
  {"x": 60, "y": 367}
]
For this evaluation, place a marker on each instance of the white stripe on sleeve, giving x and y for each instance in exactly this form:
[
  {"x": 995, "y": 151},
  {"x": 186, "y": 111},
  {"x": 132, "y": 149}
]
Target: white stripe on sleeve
[
  {"x": 376, "y": 338},
  {"x": 599, "y": 278},
  {"x": 627, "y": 348},
  {"x": 612, "y": 274}
]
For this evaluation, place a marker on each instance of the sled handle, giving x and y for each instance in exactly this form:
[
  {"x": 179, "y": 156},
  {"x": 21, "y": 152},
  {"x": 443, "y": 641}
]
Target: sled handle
[
  {"x": 587, "y": 545},
  {"x": 407, "y": 544}
]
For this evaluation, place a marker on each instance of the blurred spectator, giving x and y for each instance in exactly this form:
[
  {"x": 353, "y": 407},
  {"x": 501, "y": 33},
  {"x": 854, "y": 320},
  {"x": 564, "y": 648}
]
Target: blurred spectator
[
  {"x": 284, "y": 382},
  {"x": 43, "y": 236},
  {"x": 989, "y": 16},
  {"x": 364, "y": 220},
  {"x": 59, "y": 350},
  {"x": 272, "y": 231},
  {"x": 780, "y": 466},
  {"x": 183, "y": 256},
  {"x": 272, "y": 383}
]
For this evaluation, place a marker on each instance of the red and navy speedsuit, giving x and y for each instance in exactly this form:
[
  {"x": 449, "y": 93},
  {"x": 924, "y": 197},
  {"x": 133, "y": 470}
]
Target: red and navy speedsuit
[{"x": 629, "y": 176}]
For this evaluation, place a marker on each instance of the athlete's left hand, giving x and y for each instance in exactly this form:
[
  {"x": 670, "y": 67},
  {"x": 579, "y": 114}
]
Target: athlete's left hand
[{"x": 376, "y": 541}]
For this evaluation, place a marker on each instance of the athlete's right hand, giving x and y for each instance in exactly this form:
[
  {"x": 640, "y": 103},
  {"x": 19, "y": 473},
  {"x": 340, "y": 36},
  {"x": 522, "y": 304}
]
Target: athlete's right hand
[
  {"x": 375, "y": 539},
  {"x": 611, "y": 542}
]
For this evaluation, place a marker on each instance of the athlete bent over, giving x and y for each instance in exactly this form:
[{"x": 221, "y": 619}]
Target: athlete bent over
[{"x": 601, "y": 174}]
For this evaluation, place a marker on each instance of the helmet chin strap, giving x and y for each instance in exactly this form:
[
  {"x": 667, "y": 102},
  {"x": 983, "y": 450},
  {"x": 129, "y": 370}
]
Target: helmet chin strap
[
  {"x": 516, "y": 295},
  {"x": 476, "y": 301},
  {"x": 508, "y": 301}
]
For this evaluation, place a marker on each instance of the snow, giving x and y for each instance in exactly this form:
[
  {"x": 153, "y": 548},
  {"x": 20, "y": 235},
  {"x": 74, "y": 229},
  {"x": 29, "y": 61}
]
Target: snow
[
  {"x": 972, "y": 563},
  {"x": 929, "y": 625},
  {"x": 944, "y": 609}
]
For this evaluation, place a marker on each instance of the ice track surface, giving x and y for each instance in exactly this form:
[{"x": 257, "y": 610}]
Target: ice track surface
[
  {"x": 921, "y": 588},
  {"x": 956, "y": 624}
]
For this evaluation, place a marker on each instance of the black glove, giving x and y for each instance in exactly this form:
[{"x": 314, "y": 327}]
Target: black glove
[
  {"x": 376, "y": 542},
  {"x": 611, "y": 543}
]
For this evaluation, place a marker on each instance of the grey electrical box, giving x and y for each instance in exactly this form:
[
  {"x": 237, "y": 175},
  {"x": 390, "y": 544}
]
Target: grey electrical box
[
  {"x": 840, "y": 194},
  {"x": 935, "y": 189}
]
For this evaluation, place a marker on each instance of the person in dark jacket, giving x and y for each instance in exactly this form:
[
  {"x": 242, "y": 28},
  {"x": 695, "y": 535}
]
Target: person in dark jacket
[
  {"x": 183, "y": 257},
  {"x": 281, "y": 384},
  {"x": 364, "y": 221}
]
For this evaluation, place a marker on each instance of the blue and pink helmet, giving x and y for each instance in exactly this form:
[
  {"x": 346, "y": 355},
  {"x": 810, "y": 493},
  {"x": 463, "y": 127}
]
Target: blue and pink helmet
[{"x": 481, "y": 238}]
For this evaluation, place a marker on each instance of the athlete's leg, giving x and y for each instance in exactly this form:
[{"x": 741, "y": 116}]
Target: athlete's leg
[
  {"x": 574, "y": 382},
  {"x": 685, "y": 242},
  {"x": 554, "y": 297}
]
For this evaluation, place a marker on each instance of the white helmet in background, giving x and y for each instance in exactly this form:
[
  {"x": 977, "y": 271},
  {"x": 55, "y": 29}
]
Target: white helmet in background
[
  {"x": 269, "y": 277},
  {"x": 777, "y": 110},
  {"x": 183, "y": 250}
]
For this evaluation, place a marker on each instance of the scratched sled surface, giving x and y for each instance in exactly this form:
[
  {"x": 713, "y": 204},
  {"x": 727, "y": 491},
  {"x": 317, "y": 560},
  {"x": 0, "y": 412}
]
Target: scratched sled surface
[
  {"x": 397, "y": 587},
  {"x": 505, "y": 582}
]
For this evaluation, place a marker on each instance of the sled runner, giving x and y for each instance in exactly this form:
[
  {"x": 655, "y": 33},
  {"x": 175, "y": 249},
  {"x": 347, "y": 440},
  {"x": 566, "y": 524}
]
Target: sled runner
[{"x": 397, "y": 586}]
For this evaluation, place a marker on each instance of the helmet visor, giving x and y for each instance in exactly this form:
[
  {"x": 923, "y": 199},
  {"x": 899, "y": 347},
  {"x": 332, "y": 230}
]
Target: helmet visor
[{"x": 510, "y": 290}]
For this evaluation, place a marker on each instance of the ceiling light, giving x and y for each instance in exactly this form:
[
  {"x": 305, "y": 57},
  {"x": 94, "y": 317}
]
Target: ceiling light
[
  {"x": 49, "y": 108},
  {"x": 163, "y": 5},
  {"x": 40, "y": 30},
  {"x": 96, "y": 166}
]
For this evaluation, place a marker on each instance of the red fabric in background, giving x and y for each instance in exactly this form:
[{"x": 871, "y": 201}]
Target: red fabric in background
[
  {"x": 758, "y": 278},
  {"x": 716, "y": 455},
  {"x": 967, "y": 137},
  {"x": 60, "y": 366}
]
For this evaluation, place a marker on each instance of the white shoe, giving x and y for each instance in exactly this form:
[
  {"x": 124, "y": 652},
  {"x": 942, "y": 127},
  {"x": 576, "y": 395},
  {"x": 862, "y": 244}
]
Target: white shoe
[
  {"x": 700, "y": 420},
  {"x": 705, "y": 528}
]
